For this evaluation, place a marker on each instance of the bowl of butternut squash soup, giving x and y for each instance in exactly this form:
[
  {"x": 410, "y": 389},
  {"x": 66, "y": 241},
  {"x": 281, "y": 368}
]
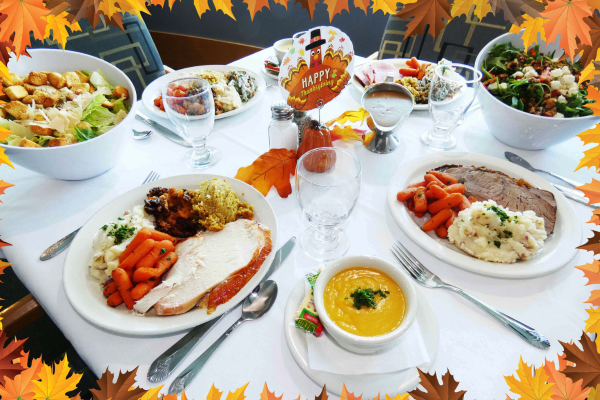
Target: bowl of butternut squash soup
[{"x": 365, "y": 303}]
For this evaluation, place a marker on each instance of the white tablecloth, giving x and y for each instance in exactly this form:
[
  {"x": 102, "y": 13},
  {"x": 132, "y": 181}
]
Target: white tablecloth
[{"x": 476, "y": 349}]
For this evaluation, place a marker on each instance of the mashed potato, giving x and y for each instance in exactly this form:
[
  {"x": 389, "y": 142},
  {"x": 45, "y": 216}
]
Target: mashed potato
[
  {"x": 111, "y": 240},
  {"x": 491, "y": 232},
  {"x": 217, "y": 204}
]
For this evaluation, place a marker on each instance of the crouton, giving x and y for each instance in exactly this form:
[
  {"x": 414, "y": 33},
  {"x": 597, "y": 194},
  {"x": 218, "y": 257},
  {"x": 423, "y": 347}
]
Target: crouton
[
  {"x": 30, "y": 88},
  {"x": 107, "y": 104},
  {"x": 83, "y": 78},
  {"x": 3, "y": 113},
  {"x": 92, "y": 88},
  {"x": 120, "y": 91},
  {"x": 39, "y": 117},
  {"x": 39, "y": 96},
  {"x": 37, "y": 78},
  {"x": 15, "y": 80},
  {"x": 57, "y": 80},
  {"x": 28, "y": 143},
  {"x": 41, "y": 130},
  {"x": 83, "y": 125},
  {"x": 15, "y": 108},
  {"x": 52, "y": 96},
  {"x": 16, "y": 92},
  {"x": 62, "y": 140},
  {"x": 80, "y": 88},
  {"x": 72, "y": 79}
]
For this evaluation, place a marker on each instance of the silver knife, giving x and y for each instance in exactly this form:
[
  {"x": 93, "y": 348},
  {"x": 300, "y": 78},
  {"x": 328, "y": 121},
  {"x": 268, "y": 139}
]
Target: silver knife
[
  {"x": 166, "y": 132},
  {"x": 515, "y": 159},
  {"x": 59, "y": 246},
  {"x": 574, "y": 195},
  {"x": 166, "y": 363}
]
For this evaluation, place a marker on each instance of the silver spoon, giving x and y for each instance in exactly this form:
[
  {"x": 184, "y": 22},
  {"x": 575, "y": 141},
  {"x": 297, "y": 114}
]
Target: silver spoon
[
  {"x": 141, "y": 135},
  {"x": 255, "y": 306}
]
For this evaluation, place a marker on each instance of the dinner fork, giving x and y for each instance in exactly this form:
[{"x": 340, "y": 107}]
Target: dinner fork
[
  {"x": 63, "y": 243},
  {"x": 428, "y": 279}
]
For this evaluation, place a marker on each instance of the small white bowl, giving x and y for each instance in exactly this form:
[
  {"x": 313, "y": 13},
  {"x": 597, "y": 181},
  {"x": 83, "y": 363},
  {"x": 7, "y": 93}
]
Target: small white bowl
[
  {"x": 279, "y": 47},
  {"x": 520, "y": 129},
  {"x": 362, "y": 344}
]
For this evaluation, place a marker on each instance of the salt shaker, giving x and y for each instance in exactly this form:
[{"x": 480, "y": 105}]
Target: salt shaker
[{"x": 283, "y": 132}]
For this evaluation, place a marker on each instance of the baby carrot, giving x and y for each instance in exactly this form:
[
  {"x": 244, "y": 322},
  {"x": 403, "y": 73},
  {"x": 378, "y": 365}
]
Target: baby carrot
[
  {"x": 437, "y": 220},
  {"x": 437, "y": 192},
  {"x": 114, "y": 299},
  {"x": 410, "y": 203},
  {"x": 404, "y": 195},
  {"x": 449, "y": 222},
  {"x": 455, "y": 188},
  {"x": 431, "y": 178},
  {"x": 420, "y": 215},
  {"x": 142, "y": 288},
  {"x": 142, "y": 235},
  {"x": 124, "y": 285},
  {"x": 472, "y": 199},
  {"x": 441, "y": 231},
  {"x": 144, "y": 274},
  {"x": 446, "y": 203},
  {"x": 420, "y": 200},
  {"x": 464, "y": 203},
  {"x": 417, "y": 184},
  {"x": 136, "y": 255},
  {"x": 447, "y": 179},
  {"x": 110, "y": 288},
  {"x": 158, "y": 236},
  {"x": 151, "y": 258}
]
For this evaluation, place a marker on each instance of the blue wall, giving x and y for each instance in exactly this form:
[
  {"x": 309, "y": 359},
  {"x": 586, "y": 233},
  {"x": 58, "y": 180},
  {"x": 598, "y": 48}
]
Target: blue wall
[{"x": 268, "y": 25}]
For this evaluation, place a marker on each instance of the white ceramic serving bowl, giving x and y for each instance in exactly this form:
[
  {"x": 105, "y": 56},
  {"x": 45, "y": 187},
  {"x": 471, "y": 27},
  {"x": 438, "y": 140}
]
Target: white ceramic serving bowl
[
  {"x": 279, "y": 49},
  {"x": 520, "y": 129},
  {"x": 81, "y": 160},
  {"x": 362, "y": 344}
]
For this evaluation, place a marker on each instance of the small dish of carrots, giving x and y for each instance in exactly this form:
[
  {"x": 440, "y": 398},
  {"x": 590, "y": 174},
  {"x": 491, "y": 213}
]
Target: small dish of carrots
[
  {"x": 439, "y": 195},
  {"x": 415, "y": 69},
  {"x": 141, "y": 267}
]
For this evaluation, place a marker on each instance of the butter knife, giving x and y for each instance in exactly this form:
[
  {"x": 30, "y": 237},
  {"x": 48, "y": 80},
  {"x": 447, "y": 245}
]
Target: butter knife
[
  {"x": 574, "y": 195},
  {"x": 166, "y": 132},
  {"x": 166, "y": 363}
]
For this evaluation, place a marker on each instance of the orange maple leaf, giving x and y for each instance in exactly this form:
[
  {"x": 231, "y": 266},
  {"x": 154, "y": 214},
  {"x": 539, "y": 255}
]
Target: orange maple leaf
[
  {"x": 3, "y": 157},
  {"x": 590, "y": 159},
  {"x": 349, "y": 116},
  {"x": 595, "y": 217},
  {"x": 4, "y": 132},
  {"x": 564, "y": 389},
  {"x": 266, "y": 395},
  {"x": 593, "y": 94},
  {"x": 8, "y": 352},
  {"x": 591, "y": 271},
  {"x": 308, "y": 5},
  {"x": 594, "y": 298},
  {"x": 22, "y": 386},
  {"x": 214, "y": 393},
  {"x": 346, "y": 133},
  {"x": 255, "y": 6},
  {"x": 336, "y": 7},
  {"x": 362, "y": 4},
  {"x": 19, "y": 17},
  {"x": 566, "y": 17},
  {"x": 346, "y": 395},
  {"x": 592, "y": 135},
  {"x": 591, "y": 191},
  {"x": 3, "y": 266},
  {"x": 4, "y": 186},
  {"x": 432, "y": 13},
  {"x": 273, "y": 168}
]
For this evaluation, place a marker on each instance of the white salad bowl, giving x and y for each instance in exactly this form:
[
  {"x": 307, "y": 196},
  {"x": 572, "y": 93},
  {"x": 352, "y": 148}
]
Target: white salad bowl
[
  {"x": 518, "y": 128},
  {"x": 362, "y": 344},
  {"x": 81, "y": 160}
]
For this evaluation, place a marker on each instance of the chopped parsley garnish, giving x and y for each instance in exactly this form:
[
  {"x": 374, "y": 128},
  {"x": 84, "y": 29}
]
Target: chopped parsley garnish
[
  {"x": 120, "y": 219},
  {"x": 169, "y": 258},
  {"x": 497, "y": 243},
  {"x": 500, "y": 213},
  {"x": 507, "y": 234},
  {"x": 162, "y": 251},
  {"x": 119, "y": 232},
  {"x": 104, "y": 228},
  {"x": 366, "y": 297}
]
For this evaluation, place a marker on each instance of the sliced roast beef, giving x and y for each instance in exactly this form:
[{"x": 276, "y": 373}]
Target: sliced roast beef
[{"x": 491, "y": 185}]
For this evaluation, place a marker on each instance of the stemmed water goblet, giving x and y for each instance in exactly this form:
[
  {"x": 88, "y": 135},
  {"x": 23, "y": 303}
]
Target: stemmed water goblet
[
  {"x": 327, "y": 185},
  {"x": 190, "y": 106},
  {"x": 453, "y": 89}
]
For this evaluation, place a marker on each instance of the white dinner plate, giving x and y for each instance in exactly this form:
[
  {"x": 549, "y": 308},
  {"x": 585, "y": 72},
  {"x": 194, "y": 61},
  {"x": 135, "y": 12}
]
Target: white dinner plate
[
  {"x": 398, "y": 63},
  {"x": 85, "y": 293},
  {"x": 558, "y": 249},
  {"x": 153, "y": 90},
  {"x": 370, "y": 385}
]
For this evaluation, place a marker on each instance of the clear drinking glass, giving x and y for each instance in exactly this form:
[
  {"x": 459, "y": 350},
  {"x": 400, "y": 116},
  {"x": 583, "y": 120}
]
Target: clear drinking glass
[
  {"x": 190, "y": 106},
  {"x": 327, "y": 186},
  {"x": 453, "y": 89}
]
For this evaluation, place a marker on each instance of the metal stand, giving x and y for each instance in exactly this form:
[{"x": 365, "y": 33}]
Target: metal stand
[{"x": 383, "y": 142}]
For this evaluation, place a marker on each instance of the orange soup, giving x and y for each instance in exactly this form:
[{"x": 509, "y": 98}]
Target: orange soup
[{"x": 364, "y": 301}]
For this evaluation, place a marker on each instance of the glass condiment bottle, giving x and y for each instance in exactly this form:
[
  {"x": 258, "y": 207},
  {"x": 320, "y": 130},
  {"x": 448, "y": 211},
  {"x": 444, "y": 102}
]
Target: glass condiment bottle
[
  {"x": 283, "y": 132},
  {"x": 315, "y": 136},
  {"x": 302, "y": 119}
]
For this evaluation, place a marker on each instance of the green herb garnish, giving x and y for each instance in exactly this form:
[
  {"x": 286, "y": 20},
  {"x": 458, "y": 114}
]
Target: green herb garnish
[
  {"x": 507, "y": 234},
  {"x": 162, "y": 251},
  {"x": 366, "y": 297},
  {"x": 500, "y": 213},
  {"x": 497, "y": 243}
]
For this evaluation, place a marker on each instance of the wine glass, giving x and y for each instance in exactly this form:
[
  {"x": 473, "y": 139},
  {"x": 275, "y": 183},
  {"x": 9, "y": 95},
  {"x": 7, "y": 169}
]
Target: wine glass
[
  {"x": 190, "y": 106},
  {"x": 453, "y": 89},
  {"x": 327, "y": 186}
]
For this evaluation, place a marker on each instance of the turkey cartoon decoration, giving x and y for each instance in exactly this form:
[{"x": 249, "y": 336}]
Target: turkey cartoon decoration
[{"x": 316, "y": 68}]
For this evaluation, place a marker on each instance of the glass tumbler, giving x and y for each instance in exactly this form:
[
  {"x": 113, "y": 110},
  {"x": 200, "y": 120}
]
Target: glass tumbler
[
  {"x": 327, "y": 186},
  {"x": 453, "y": 89},
  {"x": 190, "y": 106}
]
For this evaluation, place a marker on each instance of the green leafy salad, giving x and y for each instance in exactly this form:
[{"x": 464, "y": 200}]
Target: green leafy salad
[
  {"x": 536, "y": 83},
  {"x": 49, "y": 109}
]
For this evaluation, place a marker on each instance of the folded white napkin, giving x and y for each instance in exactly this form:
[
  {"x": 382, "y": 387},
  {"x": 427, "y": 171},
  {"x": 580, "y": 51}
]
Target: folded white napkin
[{"x": 325, "y": 354}]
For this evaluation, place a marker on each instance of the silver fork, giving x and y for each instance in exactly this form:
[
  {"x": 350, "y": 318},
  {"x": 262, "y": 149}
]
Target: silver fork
[
  {"x": 63, "y": 243},
  {"x": 428, "y": 279}
]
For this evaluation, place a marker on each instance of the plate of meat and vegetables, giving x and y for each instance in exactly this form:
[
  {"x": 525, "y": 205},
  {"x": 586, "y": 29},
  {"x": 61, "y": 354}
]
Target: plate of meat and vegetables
[{"x": 484, "y": 214}]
